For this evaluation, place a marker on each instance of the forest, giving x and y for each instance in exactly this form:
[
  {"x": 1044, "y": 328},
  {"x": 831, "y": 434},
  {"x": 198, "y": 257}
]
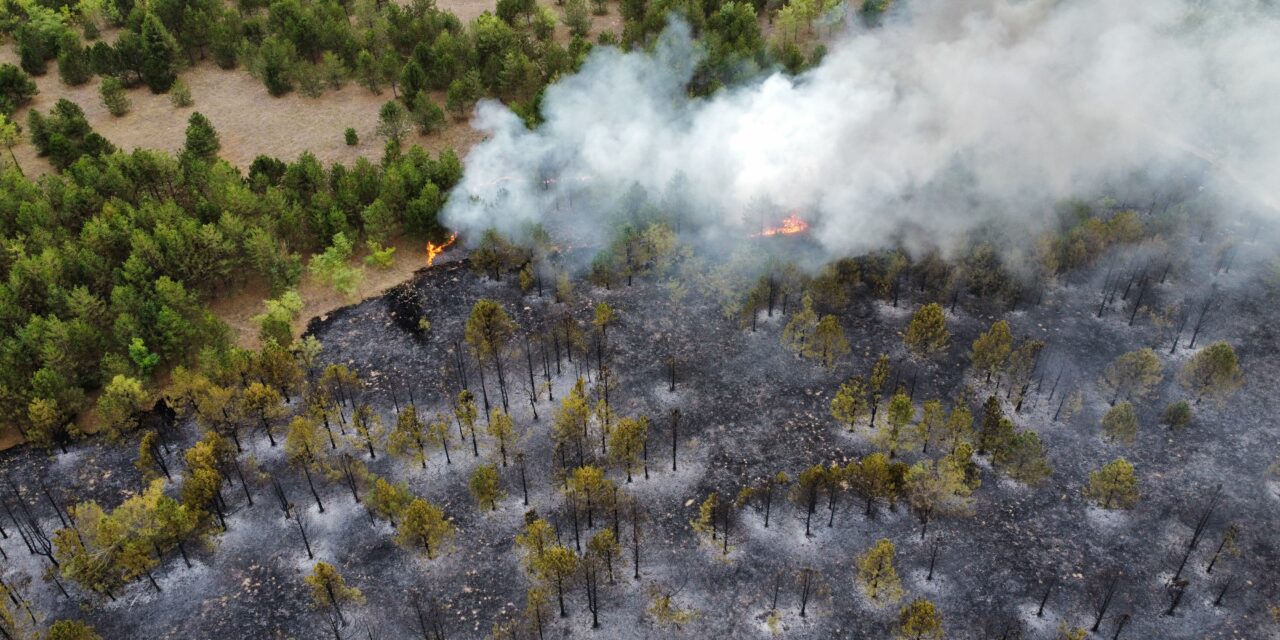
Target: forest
[{"x": 690, "y": 429}]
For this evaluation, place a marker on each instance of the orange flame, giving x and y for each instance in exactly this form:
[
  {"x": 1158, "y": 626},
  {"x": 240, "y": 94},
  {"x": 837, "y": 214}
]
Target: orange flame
[
  {"x": 434, "y": 250},
  {"x": 791, "y": 224}
]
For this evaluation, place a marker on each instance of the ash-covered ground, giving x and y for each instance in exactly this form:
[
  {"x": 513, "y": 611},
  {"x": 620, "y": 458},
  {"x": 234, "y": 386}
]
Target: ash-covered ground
[{"x": 748, "y": 409}]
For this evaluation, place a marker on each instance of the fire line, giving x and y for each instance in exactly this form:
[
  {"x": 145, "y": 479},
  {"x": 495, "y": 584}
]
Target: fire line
[
  {"x": 792, "y": 224},
  {"x": 434, "y": 250}
]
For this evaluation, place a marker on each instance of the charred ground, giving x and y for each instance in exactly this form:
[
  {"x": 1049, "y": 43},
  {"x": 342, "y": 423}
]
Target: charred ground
[{"x": 748, "y": 408}]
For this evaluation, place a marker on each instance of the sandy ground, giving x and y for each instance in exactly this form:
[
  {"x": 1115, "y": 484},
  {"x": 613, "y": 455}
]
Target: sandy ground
[
  {"x": 466, "y": 10},
  {"x": 238, "y": 310},
  {"x": 249, "y": 121}
]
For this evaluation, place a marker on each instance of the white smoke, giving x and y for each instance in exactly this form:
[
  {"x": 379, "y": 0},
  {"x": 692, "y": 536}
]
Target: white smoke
[{"x": 953, "y": 114}]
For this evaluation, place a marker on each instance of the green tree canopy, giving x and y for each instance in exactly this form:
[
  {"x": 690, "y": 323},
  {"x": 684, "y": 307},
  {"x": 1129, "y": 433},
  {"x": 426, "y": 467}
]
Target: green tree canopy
[{"x": 927, "y": 334}]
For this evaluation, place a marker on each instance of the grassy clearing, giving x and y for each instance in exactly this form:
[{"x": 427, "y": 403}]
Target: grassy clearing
[{"x": 249, "y": 121}]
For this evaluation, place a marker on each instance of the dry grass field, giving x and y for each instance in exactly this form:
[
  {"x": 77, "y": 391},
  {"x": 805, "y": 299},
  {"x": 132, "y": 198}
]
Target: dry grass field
[{"x": 249, "y": 121}]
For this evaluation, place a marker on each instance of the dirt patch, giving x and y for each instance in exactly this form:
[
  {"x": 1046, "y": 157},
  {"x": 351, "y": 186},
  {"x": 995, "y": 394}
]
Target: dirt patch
[
  {"x": 238, "y": 310},
  {"x": 466, "y": 10},
  {"x": 249, "y": 121}
]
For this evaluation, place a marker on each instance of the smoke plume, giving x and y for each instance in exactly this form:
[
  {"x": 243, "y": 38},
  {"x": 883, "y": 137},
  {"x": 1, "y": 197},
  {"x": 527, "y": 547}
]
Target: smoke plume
[{"x": 951, "y": 115}]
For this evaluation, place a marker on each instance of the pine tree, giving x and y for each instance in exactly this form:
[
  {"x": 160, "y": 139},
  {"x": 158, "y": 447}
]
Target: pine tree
[
  {"x": 799, "y": 331},
  {"x": 927, "y": 334},
  {"x": 330, "y": 591},
  {"x": 202, "y": 140},
  {"x": 936, "y": 489},
  {"x": 409, "y": 437},
  {"x": 828, "y": 343},
  {"x": 996, "y": 428},
  {"x": 605, "y": 316},
  {"x": 1120, "y": 423},
  {"x": 959, "y": 427},
  {"x": 486, "y": 488},
  {"x": 930, "y": 428},
  {"x": 159, "y": 55},
  {"x": 556, "y": 565},
  {"x": 502, "y": 429},
  {"x": 872, "y": 478},
  {"x": 71, "y": 630},
  {"x": 393, "y": 122},
  {"x": 1212, "y": 372},
  {"x": 991, "y": 349},
  {"x": 488, "y": 332},
  {"x": 412, "y": 79},
  {"x": 628, "y": 442},
  {"x": 1113, "y": 486},
  {"x": 896, "y": 436},
  {"x": 120, "y": 405},
  {"x": 919, "y": 620},
  {"x": 604, "y": 547},
  {"x": 424, "y": 526},
  {"x": 879, "y": 375},
  {"x": 1133, "y": 375},
  {"x": 1177, "y": 415},
  {"x": 389, "y": 500},
  {"x": 10, "y": 135},
  {"x": 705, "y": 524},
  {"x": 113, "y": 96},
  {"x": 877, "y": 574},
  {"x": 1022, "y": 457},
  {"x": 850, "y": 402},
  {"x": 426, "y": 114}
]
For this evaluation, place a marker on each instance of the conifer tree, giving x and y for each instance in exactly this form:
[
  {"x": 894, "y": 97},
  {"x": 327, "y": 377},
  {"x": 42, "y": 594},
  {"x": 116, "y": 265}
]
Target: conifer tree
[
  {"x": 486, "y": 487},
  {"x": 959, "y": 427},
  {"x": 628, "y": 443},
  {"x": 502, "y": 429},
  {"x": 1120, "y": 423},
  {"x": 113, "y": 96},
  {"x": 329, "y": 590},
  {"x": 927, "y": 334},
  {"x": 879, "y": 375},
  {"x": 1177, "y": 415},
  {"x": 871, "y": 478},
  {"x": 202, "y": 140},
  {"x": 389, "y": 500},
  {"x": 71, "y": 630},
  {"x": 159, "y": 55},
  {"x": 556, "y": 566},
  {"x": 896, "y": 436},
  {"x": 805, "y": 491},
  {"x": 919, "y": 620},
  {"x": 488, "y": 332},
  {"x": 1022, "y": 457},
  {"x": 996, "y": 428},
  {"x": 1212, "y": 372},
  {"x": 1133, "y": 375},
  {"x": 424, "y": 526},
  {"x": 930, "y": 427},
  {"x": 877, "y": 574},
  {"x": 120, "y": 405},
  {"x": 991, "y": 349},
  {"x": 1113, "y": 486},
  {"x": 936, "y": 489},
  {"x": 798, "y": 333},
  {"x": 850, "y": 402},
  {"x": 409, "y": 438},
  {"x": 828, "y": 343}
]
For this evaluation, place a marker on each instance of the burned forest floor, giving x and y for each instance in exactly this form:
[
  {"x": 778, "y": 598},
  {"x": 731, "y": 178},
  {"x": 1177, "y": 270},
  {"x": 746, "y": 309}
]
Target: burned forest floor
[{"x": 747, "y": 409}]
